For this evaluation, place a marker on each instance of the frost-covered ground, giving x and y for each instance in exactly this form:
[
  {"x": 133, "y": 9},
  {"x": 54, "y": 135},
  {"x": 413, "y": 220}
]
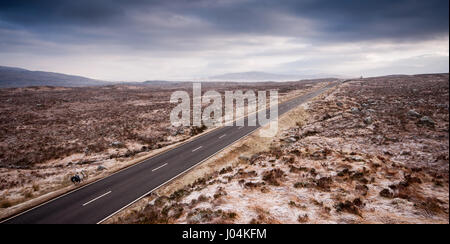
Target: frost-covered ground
[{"x": 371, "y": 151}]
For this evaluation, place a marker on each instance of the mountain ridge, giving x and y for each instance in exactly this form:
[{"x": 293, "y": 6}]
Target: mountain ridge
[{"x": 13, "y": 77}]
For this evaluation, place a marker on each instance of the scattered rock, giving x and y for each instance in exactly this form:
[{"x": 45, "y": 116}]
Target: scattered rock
[
  {"x": 427, "y": 121},
  {"x": 84, "y": 162},
  {"x": 320, "y": 154},
  {"x": 244, "y": 158},
  {"x": 356, "y": 158},
  {"x": 371, "y": 102},
  {"x": 339, "y": 104},
  {"x": 368, "y": 121},
  {"x": 117, "y": 144},
  {"x": 101, "y": 168},
  {"x": 310, "y": 131},
  {"x": 405, "y": 153},
  {"x": 413, "y": 113},
  {"x": 290, "y": 139},
  {"x": 387, "y": 152},
  {"x": 355, "y": 110}
]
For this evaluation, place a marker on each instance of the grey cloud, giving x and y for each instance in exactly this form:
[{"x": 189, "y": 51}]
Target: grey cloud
[
  {"x": 333, "y": 20},
  {"x": 190, "y": 28}
]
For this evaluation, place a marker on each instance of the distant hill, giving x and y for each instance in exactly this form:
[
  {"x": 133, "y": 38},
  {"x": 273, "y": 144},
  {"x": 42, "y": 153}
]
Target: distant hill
[
  {"x": 253, "y": 76},
  {"x": 263, "y": 76},
  {"x": 17, "y": 77},
  {"x": 154, "y": 83},
  {"x": 158, "y": 82}
]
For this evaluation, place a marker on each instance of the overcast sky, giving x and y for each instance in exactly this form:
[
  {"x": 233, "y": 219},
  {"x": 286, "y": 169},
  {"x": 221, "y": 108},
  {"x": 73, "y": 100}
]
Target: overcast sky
[{"x": 184, "y": 39}]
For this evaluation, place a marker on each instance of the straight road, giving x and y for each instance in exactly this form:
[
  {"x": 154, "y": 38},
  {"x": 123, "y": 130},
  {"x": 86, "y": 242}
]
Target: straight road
[{"x": 100, "y": 200}]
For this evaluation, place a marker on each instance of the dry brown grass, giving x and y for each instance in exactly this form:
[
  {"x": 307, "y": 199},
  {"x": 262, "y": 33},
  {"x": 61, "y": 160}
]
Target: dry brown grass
[{"x": 264, "y": 217}]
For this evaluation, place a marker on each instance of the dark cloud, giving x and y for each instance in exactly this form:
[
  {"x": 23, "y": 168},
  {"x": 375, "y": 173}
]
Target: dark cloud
[
  {"x": 167, "y": 28},
  {"x": 33, "y": 14},
  {"x": 340, "y": 20},
  {"x": 390, "y": 19}
]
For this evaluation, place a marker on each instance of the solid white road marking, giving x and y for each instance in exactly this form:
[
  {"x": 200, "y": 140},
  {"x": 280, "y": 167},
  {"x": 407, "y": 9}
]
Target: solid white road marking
[
  {"x": 159, "y": 167},
  {"x": 197, "y": 148},
  {"x": 96, "y": 198},
  {"x": 222, "y": 136}
]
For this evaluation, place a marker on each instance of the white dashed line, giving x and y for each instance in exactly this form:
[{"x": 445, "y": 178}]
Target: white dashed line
[
  {"x": 197, "y": 148},
  {"x": 96, "y": 198},
  {"x": 240, "y": 127},
  {"x": 159, "y": 167},
  {"x": 222, "y": 136}
]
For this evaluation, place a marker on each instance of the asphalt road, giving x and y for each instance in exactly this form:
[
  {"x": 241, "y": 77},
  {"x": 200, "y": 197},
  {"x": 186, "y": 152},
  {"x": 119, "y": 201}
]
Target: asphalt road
[{"x": 96, "y": 202}]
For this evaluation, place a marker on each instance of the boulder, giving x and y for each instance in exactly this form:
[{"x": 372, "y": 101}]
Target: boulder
[
  {"x": 371, "y": 102},
  {"x": 101, "y": 168},
  {"x": 244, "y": 158},
  {"x": 427, "y": 121},
  {"x": 368, "y": 120},
  {"x": 117, "y": 144},
  {"x": 355, "y": 110},
  {"x": 356, "y": 158},
  {"x": 289, "y": 140},
  {"x": 292, "y": 139},
  {"x": 413, "y": 113}
]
